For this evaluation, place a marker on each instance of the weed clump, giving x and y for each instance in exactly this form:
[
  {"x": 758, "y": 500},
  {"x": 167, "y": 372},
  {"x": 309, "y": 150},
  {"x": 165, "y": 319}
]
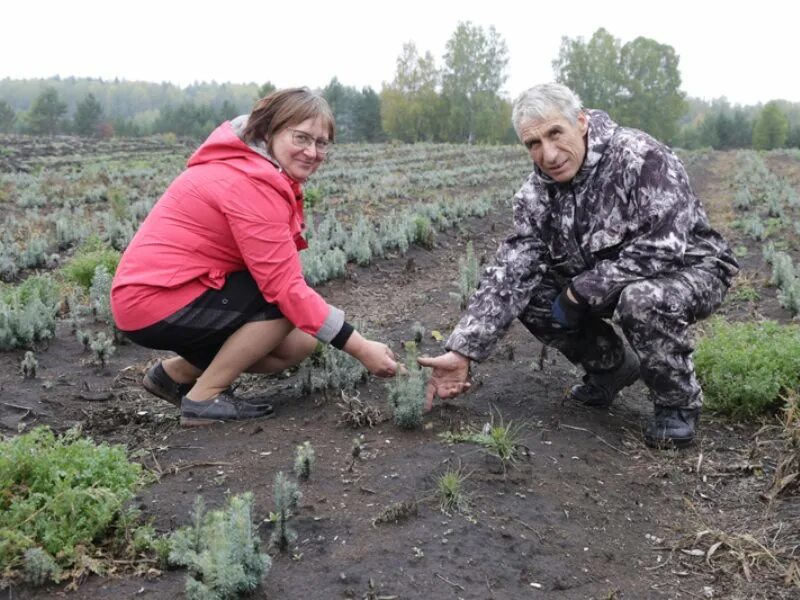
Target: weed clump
[
  {"x": 397, "y": 512},
  {"x": 744, "y": 368},
  {"x": 450, "y": 491},
  {"x": 60, "y": 497},
  {"x": 500, "y": 440},
  {"x": 357, "y": 413},
  {"x": 221, "y": 551}
]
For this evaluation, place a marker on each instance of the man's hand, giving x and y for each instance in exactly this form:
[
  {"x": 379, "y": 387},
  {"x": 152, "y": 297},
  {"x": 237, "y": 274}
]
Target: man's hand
[
  {"x": 449, "y": 378},
  {"x": 568, "y": 311}
]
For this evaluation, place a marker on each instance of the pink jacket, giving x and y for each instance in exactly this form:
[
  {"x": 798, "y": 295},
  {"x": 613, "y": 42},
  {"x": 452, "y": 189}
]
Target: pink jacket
[{"x": 230, "y": 210}]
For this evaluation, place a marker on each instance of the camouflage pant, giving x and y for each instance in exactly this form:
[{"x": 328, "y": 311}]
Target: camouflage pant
[{"x": 654, "y": 316}]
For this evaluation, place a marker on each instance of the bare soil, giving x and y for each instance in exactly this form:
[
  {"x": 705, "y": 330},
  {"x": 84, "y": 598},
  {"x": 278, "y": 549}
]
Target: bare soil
[{"x": 587, "y": 512}]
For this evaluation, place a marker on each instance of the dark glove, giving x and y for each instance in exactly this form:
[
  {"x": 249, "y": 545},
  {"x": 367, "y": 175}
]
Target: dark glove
[{"x": 567, "y": 313}]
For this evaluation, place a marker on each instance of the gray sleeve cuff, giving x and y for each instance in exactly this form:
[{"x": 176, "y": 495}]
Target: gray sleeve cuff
[{"x": 332, "y": 325}]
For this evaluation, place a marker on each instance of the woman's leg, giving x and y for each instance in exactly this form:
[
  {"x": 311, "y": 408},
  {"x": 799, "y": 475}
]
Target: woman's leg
[
  {"x": 180, "y": 370},
  {"x": 294, "y": 349},
  {"x": 251, "y": 343}
]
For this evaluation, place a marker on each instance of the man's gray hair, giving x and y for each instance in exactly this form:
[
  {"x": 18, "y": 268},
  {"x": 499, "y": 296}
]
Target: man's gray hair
[{"x": 543, "y": 101}]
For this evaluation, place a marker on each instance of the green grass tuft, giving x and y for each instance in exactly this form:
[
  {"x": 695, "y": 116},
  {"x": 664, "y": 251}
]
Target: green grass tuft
[{"x": 745, "y": 368}]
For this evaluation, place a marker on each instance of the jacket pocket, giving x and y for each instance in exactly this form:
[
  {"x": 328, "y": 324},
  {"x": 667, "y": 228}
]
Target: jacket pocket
[{"x": 607, "y": 243}]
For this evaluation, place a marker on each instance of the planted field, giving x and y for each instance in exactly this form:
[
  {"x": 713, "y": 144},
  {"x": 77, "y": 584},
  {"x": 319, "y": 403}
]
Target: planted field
[{"x": 507, "y": 492}]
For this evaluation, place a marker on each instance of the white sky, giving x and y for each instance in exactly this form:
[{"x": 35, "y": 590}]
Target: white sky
[{"x": 746, "y": 54}]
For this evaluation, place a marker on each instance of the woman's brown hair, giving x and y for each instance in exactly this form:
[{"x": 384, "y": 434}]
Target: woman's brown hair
[{"x": 283, "y": 108}]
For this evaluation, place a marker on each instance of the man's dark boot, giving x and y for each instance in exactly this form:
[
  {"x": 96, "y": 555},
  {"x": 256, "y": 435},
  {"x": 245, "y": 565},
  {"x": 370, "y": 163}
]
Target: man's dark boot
[
  {"x": 600, "y": 389},
  {"x": 672, "y": 427}
]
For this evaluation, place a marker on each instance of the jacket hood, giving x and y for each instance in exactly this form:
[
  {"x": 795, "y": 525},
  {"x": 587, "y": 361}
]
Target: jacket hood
[
  {"x": 225, "y": 144},
  {"x": 601, "y": 130}
]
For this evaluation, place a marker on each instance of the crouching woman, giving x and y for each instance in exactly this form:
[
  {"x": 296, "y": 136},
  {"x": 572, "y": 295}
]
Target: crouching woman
[{"x": 214, "y": 274}]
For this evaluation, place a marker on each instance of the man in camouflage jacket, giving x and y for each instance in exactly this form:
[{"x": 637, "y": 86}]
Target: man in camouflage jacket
[{"x": 605, "y": 227}]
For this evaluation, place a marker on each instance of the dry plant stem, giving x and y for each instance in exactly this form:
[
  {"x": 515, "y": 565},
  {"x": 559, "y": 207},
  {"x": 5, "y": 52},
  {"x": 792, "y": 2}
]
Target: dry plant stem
[
  {"x": 612, "y": 446},
  {"x": 461, "y": 587}
]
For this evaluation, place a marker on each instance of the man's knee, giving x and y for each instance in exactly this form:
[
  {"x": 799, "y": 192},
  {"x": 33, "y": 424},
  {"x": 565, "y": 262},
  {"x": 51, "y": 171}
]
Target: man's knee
[{"x": 650, "y": 303}]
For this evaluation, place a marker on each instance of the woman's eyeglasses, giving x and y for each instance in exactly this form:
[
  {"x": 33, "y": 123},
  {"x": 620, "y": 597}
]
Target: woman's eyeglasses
[{"x": 303, "y": 140}]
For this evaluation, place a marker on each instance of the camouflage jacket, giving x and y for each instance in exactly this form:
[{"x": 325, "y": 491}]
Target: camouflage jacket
[{"x": 628, "y": 214}]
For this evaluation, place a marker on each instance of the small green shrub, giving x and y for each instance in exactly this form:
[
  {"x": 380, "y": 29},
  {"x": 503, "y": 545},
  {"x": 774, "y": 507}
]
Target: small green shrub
[
  {"x": 745, "y": 367},
  {"x": 221, "y": 551},
  {"x": 311, "y": 197},
  {"x": 424, "y": 233},
  {"x": 58, "y": 493},
  {"x": 28, "y": 312},
  {"x": 93, "y": 252},
  {"x": 744, "y": 293}
]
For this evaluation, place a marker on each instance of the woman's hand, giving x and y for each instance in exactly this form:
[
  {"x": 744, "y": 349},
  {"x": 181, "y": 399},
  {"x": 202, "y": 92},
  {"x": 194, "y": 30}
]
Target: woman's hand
[
  {"x": 450, "y": 376},
  {"x": 377, "y": 357}
]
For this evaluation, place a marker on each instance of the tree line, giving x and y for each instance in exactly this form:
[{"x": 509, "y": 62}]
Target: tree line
[{"x": 461, "y": 101}]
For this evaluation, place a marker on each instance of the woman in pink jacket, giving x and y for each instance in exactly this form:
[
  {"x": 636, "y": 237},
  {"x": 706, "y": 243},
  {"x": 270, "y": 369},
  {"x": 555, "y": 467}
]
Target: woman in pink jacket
[{"x": 214, "y": 272}]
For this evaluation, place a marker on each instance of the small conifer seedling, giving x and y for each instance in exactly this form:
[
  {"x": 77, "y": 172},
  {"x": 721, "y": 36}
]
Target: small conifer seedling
[
  {"x": 286, "y": 497},
  {"x": 303, "y": 461},
  {"x": 221, "y": 551},
  {"x": 103, "y": 347},
  {"x": 84, "y": 339},
  {"x": 29, "y": 365},
  {"x": 407, "y": 392}
]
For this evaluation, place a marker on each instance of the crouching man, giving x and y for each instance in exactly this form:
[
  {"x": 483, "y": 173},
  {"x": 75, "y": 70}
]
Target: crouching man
[{"x": 606, "y": 227}]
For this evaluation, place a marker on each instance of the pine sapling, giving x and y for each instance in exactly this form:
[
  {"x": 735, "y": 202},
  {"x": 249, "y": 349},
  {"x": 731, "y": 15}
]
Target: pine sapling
[
  {"x": 467, "y": 276},
  {"x": 286, "y": 497},
  {"x": 221, "y": 551},
  {"x": 100, "y": 294},
  {"x": 418, "y": 331},
  {"x": 303, "y": 461},
  {"x": 358, "y": 446},
  {"x": 407, "y": 392},
  {"x": 103, "y": 347},
  {"x": 29, "y": 365},
  {"x": 84, "y": 339}
]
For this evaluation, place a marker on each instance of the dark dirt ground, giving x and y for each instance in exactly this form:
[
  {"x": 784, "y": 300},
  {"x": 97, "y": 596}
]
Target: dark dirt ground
[{"x": 591, "y": 513}]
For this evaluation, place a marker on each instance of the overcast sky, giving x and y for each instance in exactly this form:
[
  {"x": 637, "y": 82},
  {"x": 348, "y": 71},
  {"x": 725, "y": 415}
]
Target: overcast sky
[{"x": 746, "y": 54}]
